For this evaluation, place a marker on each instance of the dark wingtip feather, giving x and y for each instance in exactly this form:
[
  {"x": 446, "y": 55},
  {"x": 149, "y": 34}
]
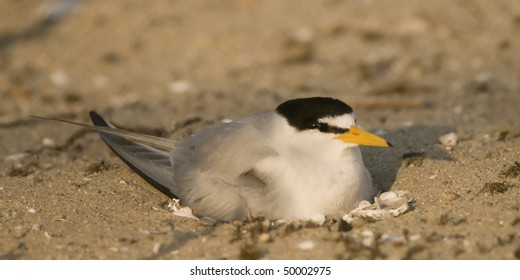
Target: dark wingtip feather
[{"x": 97, "y": 120}]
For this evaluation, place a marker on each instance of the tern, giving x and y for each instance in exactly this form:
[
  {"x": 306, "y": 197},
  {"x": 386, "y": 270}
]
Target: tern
[{"x": 298, "y": 161}]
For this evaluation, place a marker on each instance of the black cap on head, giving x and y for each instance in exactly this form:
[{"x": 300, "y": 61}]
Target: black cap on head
[{"x": 304, "y": 113}]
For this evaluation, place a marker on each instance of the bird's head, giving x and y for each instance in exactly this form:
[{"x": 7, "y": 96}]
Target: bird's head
[{"x": 327, "y": 117}]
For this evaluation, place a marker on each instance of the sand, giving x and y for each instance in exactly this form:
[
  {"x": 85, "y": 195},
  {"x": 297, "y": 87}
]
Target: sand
[{"x": 413, "y": 72}]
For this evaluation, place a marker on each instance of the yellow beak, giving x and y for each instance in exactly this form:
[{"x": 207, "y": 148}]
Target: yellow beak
[{"x": 361, "y": 137}]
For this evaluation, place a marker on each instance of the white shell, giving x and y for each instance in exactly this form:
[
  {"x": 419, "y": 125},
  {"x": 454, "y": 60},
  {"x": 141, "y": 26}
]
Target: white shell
[
  {"x": 401, "y": 192},
  {"x": 414, "y": 237},
  {"x": 363, "y": 204},
  {"x": 264, "y": 237},
  {"x": 156, "y": 247},
  {"x": 318, "y": 219},
  {"x": 180, "y": 87},
  {"x": 392, "y": 237},
  {"x": 368, "y": 238},
  {"x": 180, "y": 211},
  {"x": 449, "y": 140},
  {"x": 60, "y": 79},
  {"x": 387, "y": 204},
  {"x": 306, "y": 245},
  {"x": 16, "y": 157},
  {"x": 388, "y": 195},
  {"x": 48, "y": 142}
]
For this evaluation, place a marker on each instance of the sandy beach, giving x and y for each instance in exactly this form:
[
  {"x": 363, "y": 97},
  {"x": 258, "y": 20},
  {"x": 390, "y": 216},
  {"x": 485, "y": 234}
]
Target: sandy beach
[{"x": 412, "y": 71}]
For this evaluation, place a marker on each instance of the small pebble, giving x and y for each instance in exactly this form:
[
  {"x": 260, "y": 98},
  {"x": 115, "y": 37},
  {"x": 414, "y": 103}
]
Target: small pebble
[
  {"x": 31, "y": 210},
  {"x": 368, "y": 238},
  {"x": 113, "y": 249},
  {"x": 59, "y": 79},
  {"x": 391, "y": 237},
  {"x": 264, "y": 237},
  {"x": 48, "y": 142},
  {"x": 414, "y": 237},
  {"x": 16, "y": 157},
  {"x": 125, "y": 100},
  {"x": 407, "y": 123},
  {"x": 156, "y": 247},
  {"x": 305, "y": 34},
  {"x": 36, "y": 227},
  {"x": 306, "y": 245},
  {"x": 318, "y": 219},
  {"x": 180, "y": 87},
  {"x": 449, "y": 140},
  {"x": 100, "y": 81},
  {"x": 412, "y": 26}
]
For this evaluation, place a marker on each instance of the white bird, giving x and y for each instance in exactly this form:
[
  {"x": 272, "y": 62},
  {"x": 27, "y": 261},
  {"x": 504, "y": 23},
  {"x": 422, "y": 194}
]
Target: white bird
[{"x": 301, "y": 160}]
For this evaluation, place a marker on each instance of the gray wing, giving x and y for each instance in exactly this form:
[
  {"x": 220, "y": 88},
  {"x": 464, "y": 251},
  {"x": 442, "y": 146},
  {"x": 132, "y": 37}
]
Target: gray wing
[
  {"x": 148, "y": 156},
  {"x": 215, "y": 169}
]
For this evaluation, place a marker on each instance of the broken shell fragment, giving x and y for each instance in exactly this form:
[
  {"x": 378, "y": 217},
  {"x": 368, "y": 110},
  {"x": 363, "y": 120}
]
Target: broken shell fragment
[
  {"x": 318, "y": 219},
  {"x": 368, "y": 238},
  {"x": 388, "y": 195},
  {"x": 180, "y": 211},
  {"x": 363, "y": 204},
  {"x": 449, "y": 140},
  {"x": 306, "y": 245},
  {"x": 390, "y": 199}
]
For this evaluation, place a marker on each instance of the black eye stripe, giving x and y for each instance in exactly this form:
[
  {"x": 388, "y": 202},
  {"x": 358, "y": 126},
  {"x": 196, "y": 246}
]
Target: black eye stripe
[{"x": 326, "y": 128}]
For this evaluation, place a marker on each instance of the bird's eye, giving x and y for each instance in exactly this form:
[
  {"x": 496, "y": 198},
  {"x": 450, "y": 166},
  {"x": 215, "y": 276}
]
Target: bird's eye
[
  {"x": 314, "y": 126},
  {"x": 323, "y": 127},
  {"x": 327, "y": 128}
]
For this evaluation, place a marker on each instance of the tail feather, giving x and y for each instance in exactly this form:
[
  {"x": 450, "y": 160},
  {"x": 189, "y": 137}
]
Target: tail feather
[{"x": 148, "y": 156}]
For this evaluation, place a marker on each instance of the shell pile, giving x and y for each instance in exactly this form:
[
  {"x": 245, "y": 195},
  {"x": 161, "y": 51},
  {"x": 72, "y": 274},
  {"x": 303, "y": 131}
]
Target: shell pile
[
  {"x": 181, "y": 211},
  {"x": 387, "y": 204}
]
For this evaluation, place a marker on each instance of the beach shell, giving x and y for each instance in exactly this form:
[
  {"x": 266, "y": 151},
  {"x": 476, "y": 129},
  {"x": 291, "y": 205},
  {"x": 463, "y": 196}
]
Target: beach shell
[
  {"x": 318, "y": 219},
  {"x": 181, "y": 211},
  {"x": 393, "y": 203},
  {"x": 449, "y": 140},
  {"x": 388, "y": 195},
  {"x": 306, "y": 245}
]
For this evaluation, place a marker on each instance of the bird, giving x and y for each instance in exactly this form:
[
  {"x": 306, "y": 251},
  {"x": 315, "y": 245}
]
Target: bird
[{"x": 298, "y": 161}]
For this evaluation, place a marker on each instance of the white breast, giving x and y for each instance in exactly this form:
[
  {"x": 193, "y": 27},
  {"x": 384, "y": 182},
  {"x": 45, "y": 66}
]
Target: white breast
[{"x": 315, "y": 175}]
